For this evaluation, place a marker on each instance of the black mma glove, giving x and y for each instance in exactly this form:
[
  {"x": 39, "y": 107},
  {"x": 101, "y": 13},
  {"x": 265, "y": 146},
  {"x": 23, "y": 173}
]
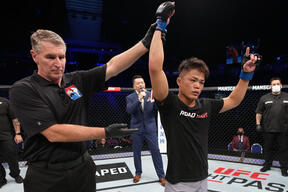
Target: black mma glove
[
  {"x": 249, "y": 76},
  {"x": 162, "y": 14},
  {"x": 164, "y": 10},
  {"x": 247, "y": 58},
  {"x": 259, "y": 128},
  {"x": 149, "y": 35},
  {"x": 118, "y": 130}
]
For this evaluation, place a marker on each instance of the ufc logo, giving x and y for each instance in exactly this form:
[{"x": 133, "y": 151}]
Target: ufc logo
[{"x": 233, "y": 172}]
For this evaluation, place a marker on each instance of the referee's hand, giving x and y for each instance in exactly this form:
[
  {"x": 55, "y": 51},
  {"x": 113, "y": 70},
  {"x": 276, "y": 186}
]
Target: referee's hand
[
  {"x": 119, "y": 130},
  {"x": 259, "y": 128}
]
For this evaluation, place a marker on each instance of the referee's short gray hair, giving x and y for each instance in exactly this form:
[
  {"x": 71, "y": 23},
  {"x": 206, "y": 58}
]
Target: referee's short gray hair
[{"x": 45, "y": 35}]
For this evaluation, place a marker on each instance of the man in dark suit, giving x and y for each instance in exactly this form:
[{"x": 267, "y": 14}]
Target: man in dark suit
[{"x": 142, "y": 109}]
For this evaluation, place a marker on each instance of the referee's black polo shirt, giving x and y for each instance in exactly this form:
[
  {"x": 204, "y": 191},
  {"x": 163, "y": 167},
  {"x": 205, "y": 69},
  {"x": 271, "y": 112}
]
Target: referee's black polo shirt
[
  {"x": 39, "y": 104},
  {"x": 274, "y": 110},
  {"x": 6, "y": 116}
]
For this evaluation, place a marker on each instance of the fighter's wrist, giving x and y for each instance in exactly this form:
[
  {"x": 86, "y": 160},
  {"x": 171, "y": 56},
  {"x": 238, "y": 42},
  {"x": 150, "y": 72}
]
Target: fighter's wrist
[
  {"x": 245, "y": 75},
  {"x": 161, "y": 25}
]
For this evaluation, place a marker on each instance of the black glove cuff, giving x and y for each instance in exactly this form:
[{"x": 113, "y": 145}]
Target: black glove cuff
[
  {"x": 106, "y": 131},
  {"x": 149, "y": 35}
]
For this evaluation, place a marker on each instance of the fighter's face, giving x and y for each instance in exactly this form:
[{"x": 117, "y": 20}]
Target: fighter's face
[
  {"x": 190, "y": 84},
  {"x": 138, "y": 84},
  {"x": 51, "y": 61}
]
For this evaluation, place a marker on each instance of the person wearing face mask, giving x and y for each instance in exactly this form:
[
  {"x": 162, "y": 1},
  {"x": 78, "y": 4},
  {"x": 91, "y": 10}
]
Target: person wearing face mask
[
  {"x": 272, "y": 119},
  {"x": 240, "y": 142}
]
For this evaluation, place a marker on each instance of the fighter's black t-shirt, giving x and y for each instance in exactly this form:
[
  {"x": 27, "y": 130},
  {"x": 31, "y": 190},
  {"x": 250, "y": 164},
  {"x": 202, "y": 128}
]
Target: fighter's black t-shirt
[
  {"x": 39, "y": 104},
  {"x": 186, "y": 130}
]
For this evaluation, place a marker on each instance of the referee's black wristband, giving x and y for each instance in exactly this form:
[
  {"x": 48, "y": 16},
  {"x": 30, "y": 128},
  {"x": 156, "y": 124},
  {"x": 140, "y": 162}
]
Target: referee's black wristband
[{"x": 18, "y": 134}]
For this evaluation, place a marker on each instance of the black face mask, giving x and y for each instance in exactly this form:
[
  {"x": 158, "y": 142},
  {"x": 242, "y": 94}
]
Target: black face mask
[{"x": 239, "y": 133}]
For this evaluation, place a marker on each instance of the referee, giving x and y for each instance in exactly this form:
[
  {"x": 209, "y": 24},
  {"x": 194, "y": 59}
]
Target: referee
[
  {"x": 272, "y": 118},
  {"x": 52, "y": 106}
]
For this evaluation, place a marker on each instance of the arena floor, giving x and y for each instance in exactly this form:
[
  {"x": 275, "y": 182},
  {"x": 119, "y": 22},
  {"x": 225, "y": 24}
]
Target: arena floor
[{"x": 115, "y": 175}]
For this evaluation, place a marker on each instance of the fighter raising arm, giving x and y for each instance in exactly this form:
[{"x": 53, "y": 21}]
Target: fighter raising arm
[
  {"x": 237, "y": 95},
  {"x": 156, "y": 55}
]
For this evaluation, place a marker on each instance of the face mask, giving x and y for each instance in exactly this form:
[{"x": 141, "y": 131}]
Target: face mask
[
  {"x": 239, "y": 133},
  {"x": 276, "y": 88}
]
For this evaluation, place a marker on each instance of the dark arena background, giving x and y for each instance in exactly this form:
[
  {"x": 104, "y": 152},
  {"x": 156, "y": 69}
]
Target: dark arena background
[{"x": 216, "y": 31}]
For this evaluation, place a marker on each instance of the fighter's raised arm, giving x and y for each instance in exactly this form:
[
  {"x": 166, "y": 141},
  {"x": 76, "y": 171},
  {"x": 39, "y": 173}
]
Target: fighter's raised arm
[
  {"x": 122, "y": 61},
  {"x": 156, "y": 55},
  {"x": 249, "y": 62}
]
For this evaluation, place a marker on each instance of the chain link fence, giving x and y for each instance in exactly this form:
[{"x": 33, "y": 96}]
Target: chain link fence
[{"x": 110, "y": 107}]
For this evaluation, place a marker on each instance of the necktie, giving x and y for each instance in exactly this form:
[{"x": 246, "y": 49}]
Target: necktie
[{"x": 142, "y": 104}]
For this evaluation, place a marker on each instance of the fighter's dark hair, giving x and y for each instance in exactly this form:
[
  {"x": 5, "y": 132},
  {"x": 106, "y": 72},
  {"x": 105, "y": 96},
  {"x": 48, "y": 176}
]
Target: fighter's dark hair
[{"x": 194, "y": 63}]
